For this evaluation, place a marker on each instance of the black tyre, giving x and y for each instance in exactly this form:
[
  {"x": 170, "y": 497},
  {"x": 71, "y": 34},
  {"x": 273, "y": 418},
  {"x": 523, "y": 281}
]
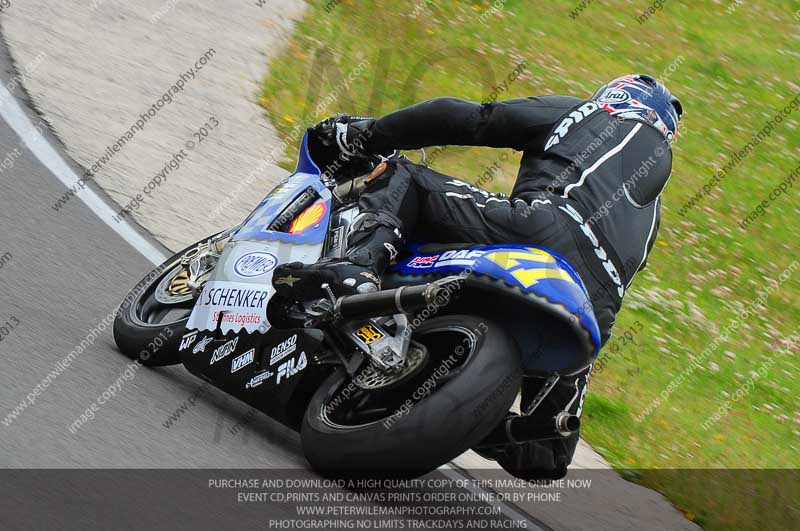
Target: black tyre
[
  {"x": 399, "y": 430},
  {"x": 152, "y": 317}
]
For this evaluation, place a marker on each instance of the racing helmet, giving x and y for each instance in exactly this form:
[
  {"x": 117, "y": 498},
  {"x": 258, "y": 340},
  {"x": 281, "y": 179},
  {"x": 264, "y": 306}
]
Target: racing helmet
[{"x": 641, "y": 97}]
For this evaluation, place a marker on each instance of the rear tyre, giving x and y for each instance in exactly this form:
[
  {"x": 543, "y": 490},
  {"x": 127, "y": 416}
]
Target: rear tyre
[{"x": 402, "y": 431}]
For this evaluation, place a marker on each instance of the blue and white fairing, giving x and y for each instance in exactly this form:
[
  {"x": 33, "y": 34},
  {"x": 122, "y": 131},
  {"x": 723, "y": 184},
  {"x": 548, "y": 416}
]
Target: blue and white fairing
[
  {"x": 537, "y": 271},
  {"x": 306, "y": 175},
  {"x": 241, "y": 284}
]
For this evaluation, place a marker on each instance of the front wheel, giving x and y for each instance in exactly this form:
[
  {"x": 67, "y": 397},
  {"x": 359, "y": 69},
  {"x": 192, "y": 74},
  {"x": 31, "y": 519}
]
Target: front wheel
[
  {"x": 462, "y": 377},
  {"x": 152, "y": 318}
]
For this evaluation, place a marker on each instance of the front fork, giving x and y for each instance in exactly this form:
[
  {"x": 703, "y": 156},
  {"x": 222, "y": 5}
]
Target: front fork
[{"x": 201, "y": 260}]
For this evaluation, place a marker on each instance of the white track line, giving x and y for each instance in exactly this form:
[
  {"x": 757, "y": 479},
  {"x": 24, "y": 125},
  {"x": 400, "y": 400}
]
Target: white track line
[
  {"x": 454, "y": 472},
  {"x": 16, "y": 118}
]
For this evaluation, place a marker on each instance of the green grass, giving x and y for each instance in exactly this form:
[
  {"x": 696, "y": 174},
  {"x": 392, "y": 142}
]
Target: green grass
[{"x": 733, "y": 72}]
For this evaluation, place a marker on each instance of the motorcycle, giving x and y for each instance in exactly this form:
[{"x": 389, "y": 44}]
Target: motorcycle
[{"x": 392, "y": 383}]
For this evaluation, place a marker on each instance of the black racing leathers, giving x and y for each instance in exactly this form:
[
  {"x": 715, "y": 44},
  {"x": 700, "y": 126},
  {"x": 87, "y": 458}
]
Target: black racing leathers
[{"x": 588, "y": 186}]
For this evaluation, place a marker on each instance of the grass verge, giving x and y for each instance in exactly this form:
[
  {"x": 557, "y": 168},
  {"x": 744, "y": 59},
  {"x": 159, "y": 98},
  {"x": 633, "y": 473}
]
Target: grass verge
[{"x": 709, "y": 379}]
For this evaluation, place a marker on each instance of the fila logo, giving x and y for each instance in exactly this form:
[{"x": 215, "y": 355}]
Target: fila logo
[
  {"x": 574, "y": 117},
  {"x": 291, "y": 367},
  {"x": 608, "y": 265},
  {"x": 187, "y": 340}
]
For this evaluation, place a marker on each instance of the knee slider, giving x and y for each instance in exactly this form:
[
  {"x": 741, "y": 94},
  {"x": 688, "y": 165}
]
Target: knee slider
[
  {"x": 367, "y": 224},
  {"x": 362, "y": 256}
]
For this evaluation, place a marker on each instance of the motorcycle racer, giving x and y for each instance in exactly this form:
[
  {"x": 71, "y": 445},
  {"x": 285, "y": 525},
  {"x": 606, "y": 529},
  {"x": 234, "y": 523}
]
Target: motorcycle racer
[{"x": 589, "y": 187}]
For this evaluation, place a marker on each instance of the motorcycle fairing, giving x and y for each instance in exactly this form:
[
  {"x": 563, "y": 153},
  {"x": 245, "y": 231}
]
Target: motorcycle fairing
[
  {"x": 269, "y": 377},
  {"x": 243, "y": 300},
  {"x": 255, "y": 226},
  {"x": 227, "y": 290},
  {"x": 266, "y": 378},
  {"x": 535, "y": 270},
  {"x": 306, "y": 175}
]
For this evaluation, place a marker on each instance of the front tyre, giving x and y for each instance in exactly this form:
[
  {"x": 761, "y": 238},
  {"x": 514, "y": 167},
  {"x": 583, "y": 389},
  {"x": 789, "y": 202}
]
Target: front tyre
[
  {"x": 466, "y": 385},
  {"x": 152, "y": 318}
]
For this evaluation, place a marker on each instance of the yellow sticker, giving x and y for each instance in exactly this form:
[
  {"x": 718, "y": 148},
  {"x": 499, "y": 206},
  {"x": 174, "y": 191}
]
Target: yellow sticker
[
  {"x": 529, "y": 266},
  {"x": 368, "y": 334}
]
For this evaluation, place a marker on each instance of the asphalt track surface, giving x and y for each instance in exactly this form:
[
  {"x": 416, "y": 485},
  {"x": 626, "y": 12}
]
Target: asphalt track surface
[{"x": 68, "y": 271}]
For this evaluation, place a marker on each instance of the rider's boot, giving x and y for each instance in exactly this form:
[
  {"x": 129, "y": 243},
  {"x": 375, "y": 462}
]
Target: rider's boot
[
  {"x": 372, "y": 244},
  {"x": 546, "y": 459}
]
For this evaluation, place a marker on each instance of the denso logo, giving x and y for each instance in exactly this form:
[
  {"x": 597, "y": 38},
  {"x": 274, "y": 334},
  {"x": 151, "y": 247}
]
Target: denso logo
[
  {"x": 255, "y": 264},
  {"x": 283, "y": 349}
]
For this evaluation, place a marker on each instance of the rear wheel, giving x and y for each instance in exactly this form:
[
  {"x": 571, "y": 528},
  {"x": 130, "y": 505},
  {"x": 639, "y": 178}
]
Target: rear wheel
[
  {"x": 152, "y": 318},
  {"x": 460, "y": 380}
]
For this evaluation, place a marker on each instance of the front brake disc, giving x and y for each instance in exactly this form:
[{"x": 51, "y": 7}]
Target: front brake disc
[{"x": 173, "y": 287}]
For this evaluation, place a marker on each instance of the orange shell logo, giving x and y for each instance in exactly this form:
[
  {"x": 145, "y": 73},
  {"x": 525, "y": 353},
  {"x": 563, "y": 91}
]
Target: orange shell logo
[{"x": 309, "y": 217}]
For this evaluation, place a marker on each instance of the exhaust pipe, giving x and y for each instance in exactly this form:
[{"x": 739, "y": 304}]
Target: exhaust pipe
[
  {"x": 522, "y": 428},
  {"x": 406, "y": 299}
]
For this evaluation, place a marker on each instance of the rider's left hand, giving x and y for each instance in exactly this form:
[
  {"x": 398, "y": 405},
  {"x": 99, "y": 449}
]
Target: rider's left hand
[{"x": 350, "y": 134}]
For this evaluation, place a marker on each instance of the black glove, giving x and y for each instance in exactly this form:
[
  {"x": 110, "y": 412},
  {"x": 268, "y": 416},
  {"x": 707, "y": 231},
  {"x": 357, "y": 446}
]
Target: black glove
[{"x": 349, "y": 134}]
